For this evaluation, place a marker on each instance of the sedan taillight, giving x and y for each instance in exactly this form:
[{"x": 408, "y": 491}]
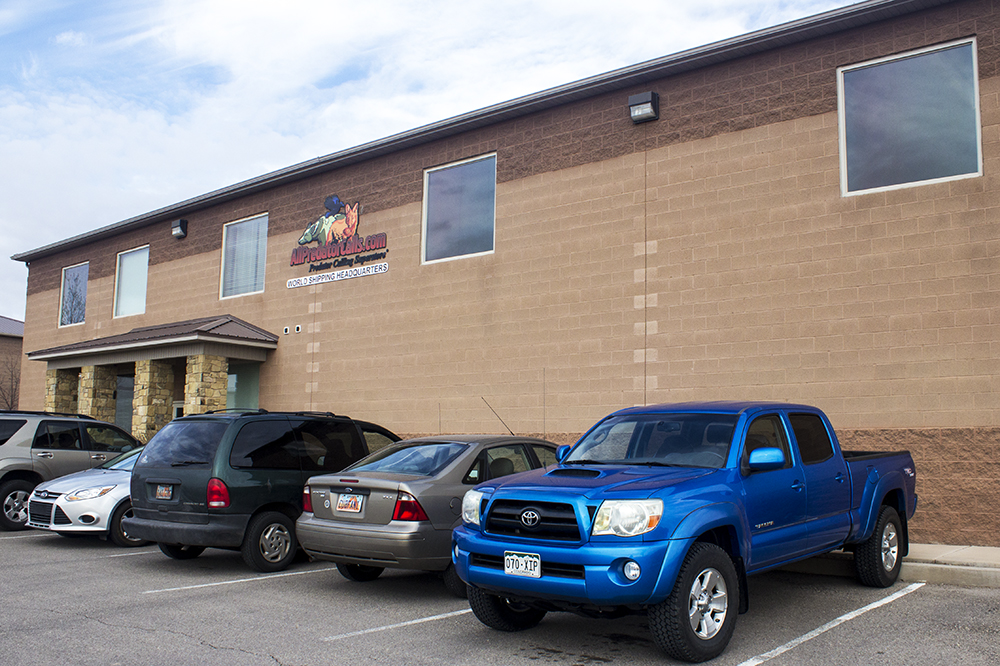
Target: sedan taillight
[
  {"x": 218, "y": 494},
  {"x": 408, "y": 508},
  {"x": 307, "y": 500}
]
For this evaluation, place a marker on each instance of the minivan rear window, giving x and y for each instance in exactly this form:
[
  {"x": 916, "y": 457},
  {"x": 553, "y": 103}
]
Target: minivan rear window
[{"x": 182, "y": 443}]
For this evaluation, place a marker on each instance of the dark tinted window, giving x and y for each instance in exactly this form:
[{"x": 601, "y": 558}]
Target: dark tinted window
[
  {"x": 329, "y": 446},
  {"x": 54, "y": 435},
  {"x": 184, "y": 442},
  {"x": 766, "y": 432},
  {"x": 424, "y": 458},
  {"x": 265, "y": 445},
  {"x": 8, "y": 427},
  {"x": 813, "y": 439}
]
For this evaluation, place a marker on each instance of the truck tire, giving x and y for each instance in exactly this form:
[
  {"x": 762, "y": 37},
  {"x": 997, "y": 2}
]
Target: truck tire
[
  {"x": 270, "y": 543},
  {"x": 697, "y": 620},
  {"x": 14, "y": 504},
  {"x": 359, "y": 573},
  {"x": 180, "y": 552},
  {"x": 877, "y": 560},
  {"x": 503, "y": 614}
]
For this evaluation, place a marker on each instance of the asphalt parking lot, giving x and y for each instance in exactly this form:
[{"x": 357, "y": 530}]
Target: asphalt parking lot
[{"x": 84, "y": 601}]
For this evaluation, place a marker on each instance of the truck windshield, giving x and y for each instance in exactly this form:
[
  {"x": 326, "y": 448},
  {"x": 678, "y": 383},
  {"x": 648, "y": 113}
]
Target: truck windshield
[{"x": 684, "y": 440}]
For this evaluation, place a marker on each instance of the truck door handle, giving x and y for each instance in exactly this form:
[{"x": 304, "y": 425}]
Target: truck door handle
[
  {"x": 98, "y": 456},
  {"x": 798, "y": 486},
  {"x": 43, "y": 454},
  {"x": 839, "y": 477}
]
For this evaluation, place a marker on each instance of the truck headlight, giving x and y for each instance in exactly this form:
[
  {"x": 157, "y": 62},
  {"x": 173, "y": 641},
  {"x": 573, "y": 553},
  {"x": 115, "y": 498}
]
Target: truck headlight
[
  {"x": 89, "y": 493},
  {"x": 470, "y": 506},
  {"x": 627, "y": 517}
]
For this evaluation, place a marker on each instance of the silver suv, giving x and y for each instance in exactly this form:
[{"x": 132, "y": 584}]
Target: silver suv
[{"x": 40, "y": 446}]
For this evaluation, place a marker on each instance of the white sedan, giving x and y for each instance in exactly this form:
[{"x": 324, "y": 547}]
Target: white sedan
[{"x": 93, "y": 501}]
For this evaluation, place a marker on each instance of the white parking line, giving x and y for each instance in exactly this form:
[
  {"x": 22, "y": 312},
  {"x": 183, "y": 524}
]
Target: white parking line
[
  {"x": 25, "y": 536},
  {"x": 760, "y": 659},
  {"x": 397, "y": 626},
  {"x": 238, "y": 580},
  {"x": 134, "y": 552}
]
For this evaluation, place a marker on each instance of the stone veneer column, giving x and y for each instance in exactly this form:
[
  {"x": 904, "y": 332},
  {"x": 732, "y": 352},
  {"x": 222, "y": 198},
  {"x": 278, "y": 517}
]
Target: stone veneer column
[
  {"x": 97, "y": 392},
  {"x": 153, "y": 397},
  {"x": 60, "y": 390},
  {"x": 205, "y": 383}
]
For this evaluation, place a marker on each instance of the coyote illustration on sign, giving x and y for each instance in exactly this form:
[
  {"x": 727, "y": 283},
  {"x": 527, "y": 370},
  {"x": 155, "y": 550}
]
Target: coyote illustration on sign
[{"x": 337, "y": 224}]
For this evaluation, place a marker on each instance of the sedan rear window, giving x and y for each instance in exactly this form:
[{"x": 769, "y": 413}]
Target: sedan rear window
[
  {"x": 424, "y": 458},
  {"x": 184, "y": 443}
]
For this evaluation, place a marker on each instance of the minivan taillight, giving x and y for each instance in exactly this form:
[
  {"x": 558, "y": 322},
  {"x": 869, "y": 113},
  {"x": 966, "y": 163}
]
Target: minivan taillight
[
  {"x": 307, "y": 500},
  {"x": 408, "y": 508},
  {"x": 218, "y": 494}
]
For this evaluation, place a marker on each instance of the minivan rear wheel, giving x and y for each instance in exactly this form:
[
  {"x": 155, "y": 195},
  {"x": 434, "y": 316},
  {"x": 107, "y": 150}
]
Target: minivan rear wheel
[
  {"x": 176, "y": 551},
  {"x": 270, "y": 543}
]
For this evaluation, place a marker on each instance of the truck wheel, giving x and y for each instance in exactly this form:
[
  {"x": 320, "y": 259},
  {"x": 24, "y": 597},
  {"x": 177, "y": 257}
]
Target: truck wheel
[
  {"x": 503, "y": 614},
  {"x": 877, "y": 559},
  {"x": 117, "y": 533},
  {"x": 697, "y": 620},
  {"x": 269, "y": 544},
  {"x": 14, "y": 504},
  {"x": 359, "y": 573},
  {"x": 454, "y": 583},
  {"x": 179, "y": 552}
]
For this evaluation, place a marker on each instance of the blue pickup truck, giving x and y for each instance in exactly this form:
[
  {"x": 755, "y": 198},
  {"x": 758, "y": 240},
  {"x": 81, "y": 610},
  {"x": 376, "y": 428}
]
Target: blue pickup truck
[{"x": 666, "y": 509}]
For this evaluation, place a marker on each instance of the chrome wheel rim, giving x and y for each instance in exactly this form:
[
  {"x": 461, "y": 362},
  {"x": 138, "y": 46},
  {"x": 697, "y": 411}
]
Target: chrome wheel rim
[
  {"x": 275, "y": 542},
  {"x": 890, "y": 547},
  {"x": 708, "y": 603},
  {"x": 15, "y": 506}
]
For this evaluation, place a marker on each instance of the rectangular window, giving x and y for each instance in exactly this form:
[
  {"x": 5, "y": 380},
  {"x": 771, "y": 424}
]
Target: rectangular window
[
  {"x": 910, "y": 119},
  {"x": 130, "y": 285},
  {"x": 244, "y": 253},
  {"x": 459, "y": 209},
  {"x": 73, "y": 301}
]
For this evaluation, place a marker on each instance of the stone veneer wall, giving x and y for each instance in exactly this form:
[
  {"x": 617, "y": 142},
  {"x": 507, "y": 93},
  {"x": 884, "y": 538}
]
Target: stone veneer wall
[
  {"x": 61, "y": 391},
  {"x": 96, "y": 393},
  {"x": 205, "y": 383},
  {"x": 153, "y": 399}
]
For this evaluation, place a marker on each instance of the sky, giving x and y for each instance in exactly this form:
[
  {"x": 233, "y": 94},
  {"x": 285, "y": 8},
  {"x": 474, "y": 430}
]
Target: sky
[{"x": 114, "y": 108}]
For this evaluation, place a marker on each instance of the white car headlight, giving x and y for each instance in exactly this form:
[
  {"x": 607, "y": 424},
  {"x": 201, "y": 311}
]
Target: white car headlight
[
  {"x": 470, "y": 506},
  {"x": 627, "y": 518},
  {"x": 89, "y": 493}
]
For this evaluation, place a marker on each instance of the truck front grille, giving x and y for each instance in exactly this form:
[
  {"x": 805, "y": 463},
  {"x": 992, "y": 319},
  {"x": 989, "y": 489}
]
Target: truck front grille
[{"x": 555, "y": 521}]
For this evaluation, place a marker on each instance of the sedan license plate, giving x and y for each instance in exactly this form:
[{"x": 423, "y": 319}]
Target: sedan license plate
[
  {"x": 522, "y": 564},
  {"x": 164, "y": 492},
  {"x": 349, "y": 503}
]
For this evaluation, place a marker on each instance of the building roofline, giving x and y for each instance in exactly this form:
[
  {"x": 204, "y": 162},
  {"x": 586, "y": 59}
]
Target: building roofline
[{"x": 785, "y": 34}]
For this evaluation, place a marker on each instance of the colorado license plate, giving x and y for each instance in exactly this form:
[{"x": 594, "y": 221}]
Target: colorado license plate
[
  {"x": 350, "y": 503},
  {"x": 164, "y": 492},
  {"x": 522, "y": 564}
]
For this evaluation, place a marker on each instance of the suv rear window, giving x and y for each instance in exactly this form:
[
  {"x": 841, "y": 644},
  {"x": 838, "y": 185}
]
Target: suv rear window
[
  {"x": 184, "y": 443},
  {"x": 8, "y": 427}
]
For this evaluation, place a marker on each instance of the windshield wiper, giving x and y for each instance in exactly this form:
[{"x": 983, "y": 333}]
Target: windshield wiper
[
  {"x": 182, "y": 463},
  {"x": 586, "y": 462}
]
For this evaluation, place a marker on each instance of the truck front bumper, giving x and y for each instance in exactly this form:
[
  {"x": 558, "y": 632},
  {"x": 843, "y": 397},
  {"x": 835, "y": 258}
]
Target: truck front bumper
[{"x": 591, "y": 574}]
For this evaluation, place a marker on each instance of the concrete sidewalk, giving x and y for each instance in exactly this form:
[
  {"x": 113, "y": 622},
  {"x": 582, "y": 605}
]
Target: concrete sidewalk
[{"x": 965, "y": 566}]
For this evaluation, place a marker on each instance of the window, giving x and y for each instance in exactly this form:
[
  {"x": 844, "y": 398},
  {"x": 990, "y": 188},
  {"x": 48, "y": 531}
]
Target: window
[
  {"x": 244, "y": 251},
  {"x": 73, "y": 301},
  {"x": 546, "y": 456},
  {"x": 53, "y": 435},
  {"x": 910, "y": 119},
  {"x": 105, "y": 438},
  {"x": 459, "y": 209},
  {"x": 243, "y": 387},
  {"x": 765, "y": 432},
  {"x": 265, "y": 445},
  {"x": 130, "y": 285},
  {"x": 812, "y": 437}
]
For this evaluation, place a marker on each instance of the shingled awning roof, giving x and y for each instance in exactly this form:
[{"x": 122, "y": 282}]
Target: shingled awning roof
[{"x": 224, "y": 335}]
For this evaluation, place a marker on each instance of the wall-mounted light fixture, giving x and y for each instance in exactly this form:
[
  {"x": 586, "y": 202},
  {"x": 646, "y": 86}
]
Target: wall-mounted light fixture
[
  {"x": 644, "y": 107},
  {"x": 179, "y": 228}
]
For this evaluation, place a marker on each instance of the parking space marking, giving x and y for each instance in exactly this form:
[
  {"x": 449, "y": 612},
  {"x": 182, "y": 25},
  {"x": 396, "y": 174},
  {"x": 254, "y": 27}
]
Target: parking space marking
[
  {"x": 432, "y": 618},
  {"x": 25, "y": 536},
  {"x": 238, "y": 580},
  {"x": 134, "y": 552},
  {"x": 760, "y": 659}
]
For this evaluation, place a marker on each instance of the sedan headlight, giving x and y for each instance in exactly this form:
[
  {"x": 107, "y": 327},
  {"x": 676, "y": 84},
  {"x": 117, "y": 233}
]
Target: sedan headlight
[
  {"x": 470, "y": 506},
  {"x": 627, "y": 518},
  {"x": 89, "y": 493}
]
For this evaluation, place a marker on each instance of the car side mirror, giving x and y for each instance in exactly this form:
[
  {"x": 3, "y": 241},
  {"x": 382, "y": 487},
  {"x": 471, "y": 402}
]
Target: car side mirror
[
  {"x": 562, "y": 452},
  {"x": 766, "y": 458}
]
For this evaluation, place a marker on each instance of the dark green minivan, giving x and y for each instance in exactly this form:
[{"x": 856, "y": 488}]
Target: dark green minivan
[{"x": 234, "y": 480}]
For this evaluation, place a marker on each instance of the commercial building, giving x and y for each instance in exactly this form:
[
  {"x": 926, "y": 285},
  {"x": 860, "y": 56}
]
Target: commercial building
[{"x": 806, "y": 213}]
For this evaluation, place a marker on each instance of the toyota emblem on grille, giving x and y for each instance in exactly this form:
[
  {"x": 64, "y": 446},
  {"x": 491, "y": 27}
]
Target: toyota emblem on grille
[{"x": 530, "y": 518}]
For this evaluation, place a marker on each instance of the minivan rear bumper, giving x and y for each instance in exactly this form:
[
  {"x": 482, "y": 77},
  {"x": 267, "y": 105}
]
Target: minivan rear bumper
[{"x": 221, "y": 531}]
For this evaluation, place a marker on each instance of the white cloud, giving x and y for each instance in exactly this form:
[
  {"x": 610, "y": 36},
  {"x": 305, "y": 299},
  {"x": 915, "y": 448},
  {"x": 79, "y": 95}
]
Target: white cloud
[{"x": 71, "y": 38}]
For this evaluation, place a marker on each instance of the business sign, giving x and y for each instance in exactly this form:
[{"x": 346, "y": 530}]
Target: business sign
[{"x": 338, "y": 246}]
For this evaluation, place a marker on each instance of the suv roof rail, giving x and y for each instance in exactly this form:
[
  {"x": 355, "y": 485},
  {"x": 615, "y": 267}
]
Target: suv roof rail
[
  {"x": 316, "y": 413},
  {"x": 239, "y": 411},
  {"x": 34, "y": 413}
]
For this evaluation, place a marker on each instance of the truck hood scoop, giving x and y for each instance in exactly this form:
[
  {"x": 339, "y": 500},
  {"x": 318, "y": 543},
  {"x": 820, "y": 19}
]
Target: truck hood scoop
[{"x": 577, "y": 472}]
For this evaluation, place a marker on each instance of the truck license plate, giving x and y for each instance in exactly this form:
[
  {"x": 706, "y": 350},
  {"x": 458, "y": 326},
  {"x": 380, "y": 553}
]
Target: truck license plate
[
  {"x": 522, "y": 564},
  {"x": 349, "y": 503}
]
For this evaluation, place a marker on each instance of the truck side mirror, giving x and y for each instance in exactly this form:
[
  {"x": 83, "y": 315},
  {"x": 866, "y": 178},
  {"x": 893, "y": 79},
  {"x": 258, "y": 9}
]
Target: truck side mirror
[
  {"x": 562, "y": 452},
  {"x": 766, "y": 458}
]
